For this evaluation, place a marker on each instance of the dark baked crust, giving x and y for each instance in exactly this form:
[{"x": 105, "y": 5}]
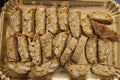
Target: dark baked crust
[{"x": 104, "y": 32}]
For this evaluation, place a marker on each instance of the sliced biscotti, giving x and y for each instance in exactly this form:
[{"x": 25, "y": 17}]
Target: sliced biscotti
[
  {"x": 104, "y": 49},
  {"x": 12, "y": 52},
  {"x": 16, "y": 20},
  {"x": 29, "y": 23},
  {"x": 52, "y": 19},
  {"x": 59, "y": 43},
  {"x": 68, "y": 50},
  {"x": 63, "y": 16},
  {"x": 46, "y": 45},
  {"x": 74, "y": 22},
  {"x": 40, "y": 20},
  {"x": 35, "y": 50},
  {"x": 23, "y": 48},
  {"x": 91, "y": 50},
  {"x": 79, "y": 49},
  {"x": 87, "y": 26},
  {"x": 46, "y": 68}
]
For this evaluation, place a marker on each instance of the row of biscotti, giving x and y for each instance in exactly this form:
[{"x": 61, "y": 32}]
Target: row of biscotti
[
  {"x": 43, "y": 19},
  {"x": 79, "y": 69},
  {"x": 21, "y": 69},
  {"x": 95, "y": 50},
  {"x": 99, "y": 29},
  {"x": 98, "y": 46},
  {"x": 51, "y": 19},
  {"x": 41, "y": 48},
  {"x": 74, "y": 48},
  {"x": 23, "y": 54},
  {"x": 104, "y": 70}
]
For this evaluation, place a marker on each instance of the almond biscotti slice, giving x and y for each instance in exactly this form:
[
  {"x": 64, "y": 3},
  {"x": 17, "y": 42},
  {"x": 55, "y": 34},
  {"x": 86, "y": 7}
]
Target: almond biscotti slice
[
  {"x": 12, "y": 52},
  {"x": 101, "y": 17},
  {"x": 46, "y": 68},
  {"x": 40, "y": 19},
  {"x": 91, "y": 50},
  {"x": 46, "y": 44},
  {"x": 79, "y": 49},
  {"x": 87, "y": 26},
  {"x": 35, "y": 50},
  {"x": 59, "y": 43},
  {"x": 52, "y": 19},
  {"x": 105, "y": 70},
  {"x": 16, "y": 20},
  {"x": 23, "y": 48},
  {"x": 77, "y": 70},
  {"x": 19, "y": 68},
  {"x": 29, "y": 23},
  {"x": 104, "y": 32},
  {"x": 63, "y": 16},
  {"x": 104, "y": 49},
  {"x": 68, "y": 50},
  {"x": 74, "y": 22}
]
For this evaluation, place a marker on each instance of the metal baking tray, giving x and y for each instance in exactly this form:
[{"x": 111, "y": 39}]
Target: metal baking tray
[{"x": 86, "y": 7}]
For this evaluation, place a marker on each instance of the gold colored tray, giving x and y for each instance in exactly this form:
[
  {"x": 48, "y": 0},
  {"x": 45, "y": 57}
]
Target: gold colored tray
[{"x": 86, "y": 7}]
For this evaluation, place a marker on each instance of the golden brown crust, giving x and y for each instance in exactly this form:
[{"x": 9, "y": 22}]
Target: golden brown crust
[
  {"x": 79, "y": 49},
  {"x": 102, "y": 17},
  {"x": 91, "y": 50},
  {"x": 68, "y": 51},
  {"x": 12, "y": 53},
  {"x": 104, "y": 32}
]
